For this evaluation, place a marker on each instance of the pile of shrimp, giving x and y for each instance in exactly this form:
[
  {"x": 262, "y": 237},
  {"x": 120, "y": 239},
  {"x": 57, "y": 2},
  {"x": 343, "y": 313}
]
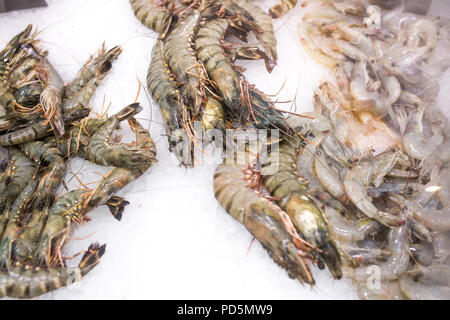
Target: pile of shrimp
[
  {"x": 361, "y": 182},
  {"x": 45, "y": 124},
  {"x": 193, "y": 76},
  {"x": 378, "y": 162}
]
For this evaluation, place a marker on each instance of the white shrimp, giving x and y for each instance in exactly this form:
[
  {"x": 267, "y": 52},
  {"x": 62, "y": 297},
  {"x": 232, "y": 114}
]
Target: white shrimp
[
  {"x": 361, "y": 176},
  {"x": 396, "y": 264}
]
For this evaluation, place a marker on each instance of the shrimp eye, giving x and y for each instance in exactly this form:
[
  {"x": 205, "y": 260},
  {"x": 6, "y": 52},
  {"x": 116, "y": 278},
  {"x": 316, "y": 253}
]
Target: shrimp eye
[{"x": 106, "y": 67}]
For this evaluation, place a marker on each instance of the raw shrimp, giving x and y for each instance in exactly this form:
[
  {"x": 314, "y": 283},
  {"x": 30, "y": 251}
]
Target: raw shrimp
[
  {"x": 81, "y": 99},
  {"x": 54, "y": 235},
  {"x": 338, "y": 152},
  {"x": 261, "y": 217},
  {"x": 313, "y": 128},
  {"x": 305, "y": 162},
  {"x": 358, "y": 179},
  {"x": 10, "y": 229},
  {"x": 441, "y": 245},
  {"x": 362, "y": 132},
  {"x": 265, "y": 35},
  {"x": 53, "y": 88},
  {"x": 163, "y": 88},
  {"x": 351, "y": 42},
  {"x": 381, "y": 100},
  {"x": 12, "y": 122},
  {"x": 396, "y": 264},
  {"x": 75, "y": 205},
  {"x": 243, "y": 101},
  {"x": 100, "y": 151},
  {"x": 79, "y": 91},
  {"x": 121, "y": 177},
  {"x": 365, "y": 256},
  {"x": 421, "y": 137},
  {"x": 422, "y": 253},
  {"x": 444, "y": 183},
  {"x": 416, "y": 290},
  {"x": 389, "y": 290},
  {"x": 346, "y": 230},
  {"x": 182, "y": 60},
  {"x": 403, "y": 174},
  {"x": 437, "y": 220},
  {"x": 34, "y": 220},
  {"x": 7, "y": 58},
  {"x": 154, "y": 14},
  {"x": 416, "y": 38},
  {"x": 97, "y": 66},
  {"x": 9, "y": 52},
  {"x": 354, "y": 7},
  {"x": 43, "y": 153},
  {"x": 23, "y": 72},
  {"x": 329, "y": 176},
  {"x": 306, "y": 216},
  {"x": 407, "y": 188},
  {"x": 246, "y": 52},
  {"x": 20, "y": 172},
  {"x": 38, "y": 130},
  {"x": 437, "y": 159},
  {"x": 320, "y": 47},
  {"x": 78, "y": 137},
  {"x": 317, "y": 46},
  {"x": 436, "y": 274},
  {"x": 26, "y": 282},
  {"x": 279, "y": 10},
  {"x": 418, "y": 83},
  {"x": 277, "y": 242}
]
